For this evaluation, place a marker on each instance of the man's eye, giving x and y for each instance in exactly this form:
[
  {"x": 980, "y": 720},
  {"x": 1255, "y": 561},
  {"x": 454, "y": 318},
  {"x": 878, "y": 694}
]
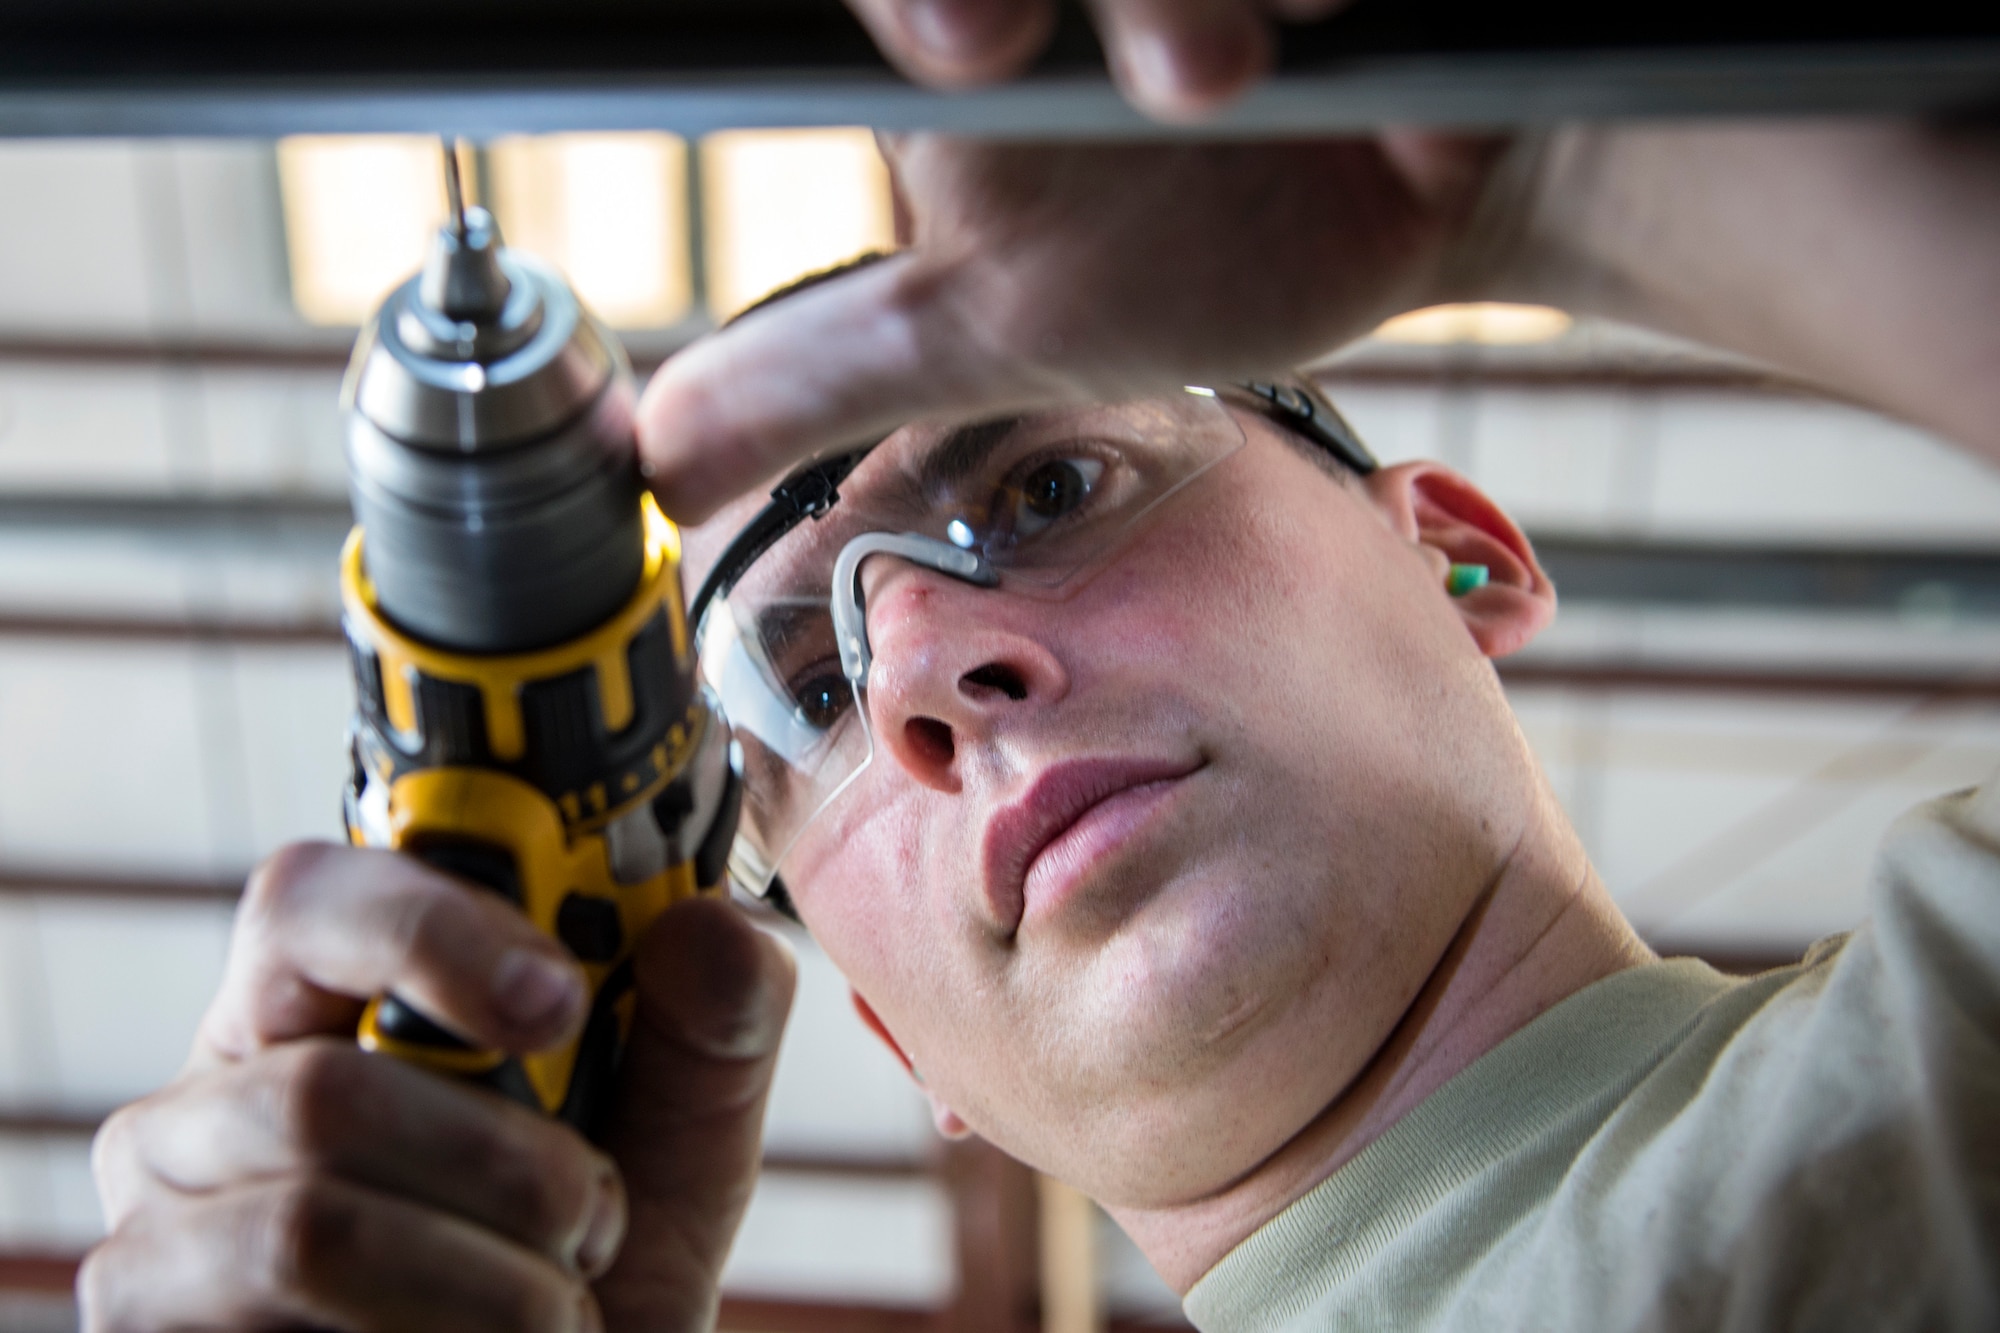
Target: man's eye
[
  {"x": 1054, "y": 490},
  {"x": 821, "y": 700}
]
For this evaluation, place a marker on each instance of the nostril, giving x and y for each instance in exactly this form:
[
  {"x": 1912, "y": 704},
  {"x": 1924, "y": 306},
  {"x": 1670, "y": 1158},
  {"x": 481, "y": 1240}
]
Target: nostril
[
  {"x": 929, "y": 738},
  {"x": 993, "y": 676}
]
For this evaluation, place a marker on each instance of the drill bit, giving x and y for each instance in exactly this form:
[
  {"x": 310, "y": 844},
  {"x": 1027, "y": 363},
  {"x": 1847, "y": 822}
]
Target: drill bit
[{"x": 454, "y": 190}]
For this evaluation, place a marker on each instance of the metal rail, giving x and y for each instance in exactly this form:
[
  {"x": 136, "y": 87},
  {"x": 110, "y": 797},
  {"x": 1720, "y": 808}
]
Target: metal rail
[{"x": 225, "y": 67}]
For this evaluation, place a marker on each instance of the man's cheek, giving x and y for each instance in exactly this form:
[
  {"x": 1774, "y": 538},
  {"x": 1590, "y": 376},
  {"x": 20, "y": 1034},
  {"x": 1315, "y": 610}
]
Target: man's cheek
[{"x": 871, "y": 901}]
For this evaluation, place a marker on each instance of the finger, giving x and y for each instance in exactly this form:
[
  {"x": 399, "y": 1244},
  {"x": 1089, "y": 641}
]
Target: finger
[
  {"x": 849, "y": 360},
  {"x": 324, "y": 1254},
  {"x": 1179, "y": 60},
  {"x": 322, "y": 927},
  {"x": 1043, "y": 275},
  {"x": 325, "y": 1107},
  {"x": 713, "y": 995},
  {"x": 958, "y": 43}
]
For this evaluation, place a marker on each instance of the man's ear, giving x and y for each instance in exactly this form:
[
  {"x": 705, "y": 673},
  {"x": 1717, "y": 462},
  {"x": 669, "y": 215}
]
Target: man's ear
[
  {"x": 946, "y": 1119},
  {"x": 1456, "y": 524}
]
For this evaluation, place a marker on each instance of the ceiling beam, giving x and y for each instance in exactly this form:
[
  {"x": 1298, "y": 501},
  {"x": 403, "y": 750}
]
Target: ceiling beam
[
  {"x": 1832, "y": 681},
  {"x": 23, "y": 880},
  {"x": 1588, "y": 568}
]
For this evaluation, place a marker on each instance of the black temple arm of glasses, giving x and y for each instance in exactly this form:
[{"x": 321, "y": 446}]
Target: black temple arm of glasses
[
  {"x": 1303, "y": 409},
  {"x": 807, "y": 493}
]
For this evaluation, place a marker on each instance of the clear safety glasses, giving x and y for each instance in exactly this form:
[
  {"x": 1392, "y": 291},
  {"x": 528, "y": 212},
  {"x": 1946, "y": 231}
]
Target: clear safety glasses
[{"x": 1023, "y": 505}]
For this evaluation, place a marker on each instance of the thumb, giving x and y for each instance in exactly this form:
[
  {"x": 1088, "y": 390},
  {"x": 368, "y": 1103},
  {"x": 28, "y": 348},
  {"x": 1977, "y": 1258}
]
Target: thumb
[
  {"x": 841, "y": 363},
  {"x": 713, "y": 993}
]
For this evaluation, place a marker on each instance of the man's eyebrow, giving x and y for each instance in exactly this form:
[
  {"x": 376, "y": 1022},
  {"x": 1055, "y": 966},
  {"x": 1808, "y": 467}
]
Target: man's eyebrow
[
  {"x": 779, "y": 623},
  {"x": 959, "y": 454}
]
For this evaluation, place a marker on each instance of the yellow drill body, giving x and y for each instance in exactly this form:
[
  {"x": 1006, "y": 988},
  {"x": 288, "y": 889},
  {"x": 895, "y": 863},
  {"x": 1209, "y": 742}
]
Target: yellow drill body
[
  {"x": 563, "y": 874},
  {"x": 528, "y": 714}
]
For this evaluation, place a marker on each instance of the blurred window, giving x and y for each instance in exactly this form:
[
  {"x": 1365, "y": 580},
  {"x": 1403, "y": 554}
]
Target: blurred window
[
  {"x": 609, "y": 210},
  {"x": 777, "y": 204},
  {"x": 359, "y": 213}
]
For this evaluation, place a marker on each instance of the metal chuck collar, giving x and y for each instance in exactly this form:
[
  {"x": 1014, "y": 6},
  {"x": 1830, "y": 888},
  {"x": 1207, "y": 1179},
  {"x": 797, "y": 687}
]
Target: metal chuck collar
[{"x": 490, "y": 455}]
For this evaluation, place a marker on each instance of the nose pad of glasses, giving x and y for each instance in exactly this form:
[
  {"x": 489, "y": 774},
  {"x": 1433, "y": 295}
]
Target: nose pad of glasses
[{"x": 850, "y": 609}]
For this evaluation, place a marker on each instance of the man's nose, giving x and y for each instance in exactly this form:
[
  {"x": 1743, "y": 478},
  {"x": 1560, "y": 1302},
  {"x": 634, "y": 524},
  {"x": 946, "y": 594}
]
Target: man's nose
[{"x": 952, "y": 662}]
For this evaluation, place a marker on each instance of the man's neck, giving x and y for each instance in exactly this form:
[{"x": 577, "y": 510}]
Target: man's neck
[{"x": 1545, "y": 929}]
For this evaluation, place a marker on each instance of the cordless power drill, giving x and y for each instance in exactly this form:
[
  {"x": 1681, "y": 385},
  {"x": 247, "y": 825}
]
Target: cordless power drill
[{"x": 528, "y": 716}]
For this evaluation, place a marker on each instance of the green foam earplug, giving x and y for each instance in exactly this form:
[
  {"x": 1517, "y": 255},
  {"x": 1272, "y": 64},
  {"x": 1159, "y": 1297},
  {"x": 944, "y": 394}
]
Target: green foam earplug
[{"x": 1465, "y": 578}]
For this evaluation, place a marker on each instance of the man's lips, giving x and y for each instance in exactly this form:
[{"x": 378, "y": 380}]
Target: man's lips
[{"x": 1059, "y": 799}]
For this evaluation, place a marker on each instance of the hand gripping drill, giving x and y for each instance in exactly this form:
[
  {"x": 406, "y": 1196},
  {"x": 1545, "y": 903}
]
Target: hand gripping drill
[{"x": 528, "y": 716}]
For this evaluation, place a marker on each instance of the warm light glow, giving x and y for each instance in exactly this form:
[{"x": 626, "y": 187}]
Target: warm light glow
[
  {"x": 359, "y": 214},
  {"x": 609, "y": 210},
  {"x": 778, "y": 204},
  {"x": 1489, "y": 323}
]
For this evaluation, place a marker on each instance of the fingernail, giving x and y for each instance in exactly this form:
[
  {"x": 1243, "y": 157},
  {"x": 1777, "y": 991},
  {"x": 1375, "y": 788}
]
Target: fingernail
[
  {"x": 606, "y": 1231},
  {"x": 534, "y": 990},
  {"x": 959, "y": 30}
]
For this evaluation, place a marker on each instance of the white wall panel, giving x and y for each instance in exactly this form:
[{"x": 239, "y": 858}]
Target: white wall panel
[
  {"x": 273, "y": 431},
  {"x": 75, "y": 1220},
  {"x": 232, "y": 235},
  {"x": 293, "y": 704},
  {"x": 27, "y": 1038},
  {"x": 1777, "y": 468},
  {"x": 74, "y": 256},
  {"x": 295, "y": 585},
  {"x": 1564, "y": 462},
  {"x": 46, "y": 1201},
  {"x": 1818, "y": 879},
  {"x": 1396, "y": 424},
  {"x": 188, "y": 760},
  {"x": 86, "y": 573},
  {"x": 1748, "y": 823},
  {"x": 1916, "y": 642},
  {"x": 879, "y": 1242},
  {"x": 27, "y": 1192},
  {"x": 838, "y": 1089},
  {"x": 1716, "y": 466},
  {"x": 1127, "y": 1282},
  {"x": 137, "y": 428},
  {"x": 138, "y": 239},
  {"x": 99, "y": 429},
  {"x": 127, "y": 984},
  {"x": 90, "y": 574},
  {"x": 102, "y": 750}
]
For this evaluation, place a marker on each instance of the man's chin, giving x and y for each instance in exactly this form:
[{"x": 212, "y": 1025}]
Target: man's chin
[{"x": 1187, "y": 979}]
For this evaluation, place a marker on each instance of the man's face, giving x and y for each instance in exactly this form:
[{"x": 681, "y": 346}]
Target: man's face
[{"x": 1144, "y": 871}]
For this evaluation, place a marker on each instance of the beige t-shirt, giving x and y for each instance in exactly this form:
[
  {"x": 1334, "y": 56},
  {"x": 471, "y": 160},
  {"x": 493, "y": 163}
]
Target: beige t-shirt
[{"x": 1814, "y": 1148}]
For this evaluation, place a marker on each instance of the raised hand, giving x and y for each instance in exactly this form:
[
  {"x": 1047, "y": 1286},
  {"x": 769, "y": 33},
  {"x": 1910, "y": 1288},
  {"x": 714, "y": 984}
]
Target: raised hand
[{"x": 1038, "y": 274}]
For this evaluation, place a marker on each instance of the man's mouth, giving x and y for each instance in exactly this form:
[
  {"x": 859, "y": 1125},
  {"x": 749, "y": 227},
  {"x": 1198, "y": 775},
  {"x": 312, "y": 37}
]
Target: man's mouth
[{"x": 1071, "y": 816}]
